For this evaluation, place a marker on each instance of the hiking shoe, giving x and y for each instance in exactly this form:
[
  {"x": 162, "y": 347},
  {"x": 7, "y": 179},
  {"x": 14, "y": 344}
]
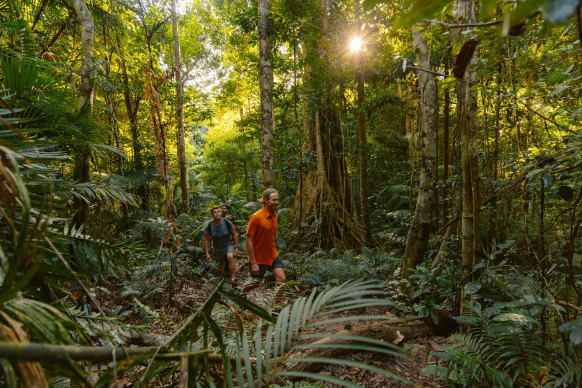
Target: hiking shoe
[
  {"x": 231, "y": 281},
  {"x": 237, "y": 290}
]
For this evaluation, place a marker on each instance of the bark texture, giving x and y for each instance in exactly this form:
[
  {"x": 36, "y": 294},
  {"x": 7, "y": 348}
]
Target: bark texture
[
  {"x": 266, "y": 87},
  {"x": 181, "y": 143},
  {"x": 420, "y": 227},
  {"x": 81, "y": 170},
  {"x": 467, "y": 121},
  {"x": 87, "y": 36}
]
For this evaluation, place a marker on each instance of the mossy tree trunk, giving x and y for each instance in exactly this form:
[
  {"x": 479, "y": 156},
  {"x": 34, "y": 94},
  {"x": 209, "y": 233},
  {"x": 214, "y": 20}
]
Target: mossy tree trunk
[
  {"x": 420, "y": 227},
  {"x": 81, "y": 170}
]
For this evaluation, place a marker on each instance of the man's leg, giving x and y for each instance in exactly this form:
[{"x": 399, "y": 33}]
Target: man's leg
[
  {"x": 279, "y": 274},
  {"x": 221, "y": 261},
  {"x": 255, "y": 280},
  {"x": 231, "y": 264}
]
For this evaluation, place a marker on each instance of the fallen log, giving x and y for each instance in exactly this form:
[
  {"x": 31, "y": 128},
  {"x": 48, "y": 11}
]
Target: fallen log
[
  {"x": 387, "y": 332},
  {"x": 25, "y": 351}
]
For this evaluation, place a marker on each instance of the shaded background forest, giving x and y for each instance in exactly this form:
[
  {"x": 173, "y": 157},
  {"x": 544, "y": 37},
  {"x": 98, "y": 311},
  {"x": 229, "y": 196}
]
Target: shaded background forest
[{"x": 440, "y": 156}]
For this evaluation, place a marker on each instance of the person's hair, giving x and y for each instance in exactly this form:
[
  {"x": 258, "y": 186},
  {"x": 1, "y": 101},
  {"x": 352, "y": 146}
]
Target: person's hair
[
  {"x": 215, "y": 207},
  {"x": 266, "y": 195},
  {"x": 224, "y": 204}
]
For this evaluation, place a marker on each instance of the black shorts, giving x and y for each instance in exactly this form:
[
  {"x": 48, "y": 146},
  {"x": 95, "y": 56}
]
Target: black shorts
[{"x": 277, "y": 263}]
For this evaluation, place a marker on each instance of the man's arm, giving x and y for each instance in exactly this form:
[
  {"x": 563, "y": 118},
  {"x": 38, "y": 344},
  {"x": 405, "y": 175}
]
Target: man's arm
[
  {"x": 251, "y": 251},
  {"x": 235, "y": 239},
  {"x": 207, "y": 246}
]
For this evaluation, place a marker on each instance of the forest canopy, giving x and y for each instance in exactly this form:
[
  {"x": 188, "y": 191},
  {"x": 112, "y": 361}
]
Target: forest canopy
[{"x": 428, "y": 165}]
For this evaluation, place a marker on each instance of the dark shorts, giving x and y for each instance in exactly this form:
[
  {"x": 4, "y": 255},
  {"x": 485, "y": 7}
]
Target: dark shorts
[
  {"x": 220, "y": 256},
  {"x": 278, "y": 263}
]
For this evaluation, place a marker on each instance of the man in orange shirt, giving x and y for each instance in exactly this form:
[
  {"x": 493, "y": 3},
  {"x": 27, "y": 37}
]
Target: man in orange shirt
[{"x": 260, "y": 242}]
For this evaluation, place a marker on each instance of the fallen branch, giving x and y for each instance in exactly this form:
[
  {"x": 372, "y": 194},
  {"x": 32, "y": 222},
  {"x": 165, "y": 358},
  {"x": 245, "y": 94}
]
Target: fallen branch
[
  {"x": 568, "y": 305},
  {"x": 30, "y": 352},
  {"x": 62, "y": 354}
]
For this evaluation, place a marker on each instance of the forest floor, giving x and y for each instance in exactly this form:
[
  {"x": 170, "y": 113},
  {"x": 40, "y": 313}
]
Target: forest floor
[{"x": 189, "y": 292}]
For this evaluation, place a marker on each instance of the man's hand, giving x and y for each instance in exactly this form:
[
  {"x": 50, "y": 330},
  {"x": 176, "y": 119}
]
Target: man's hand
[
  {"x": 255, "y": 268},
  {"x": 208, "y": 259},
  {"x": 236, "y": 252}
]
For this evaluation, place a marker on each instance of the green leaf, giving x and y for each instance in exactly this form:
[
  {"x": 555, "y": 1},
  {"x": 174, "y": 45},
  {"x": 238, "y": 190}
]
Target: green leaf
[
  {"x": 559, "y": 11},
  {"x": 368, "y": 5},
  {"x": 548, "y": 180},
  {"x": 248, "y": 305},
  {"x": 247, "y": 357},
  {"x": 517, "y": 318},
  {"x": 259, "y": 355},
  {"x": 9, "y": 374},
  {"x": 522, "y": 11},
  {"x": 472, "y": 287},
  {"x": 321, "y": 377},
  {"x": 351, "y": 346},
  {"x": 421, "y": 9},
  {"x": 575, "y": 329},
  {"x": 354, "y": 364},
  {"x": 566, "y": 193},
  {"x": 559, "y": 89},
  {"x": 350, "y": 318}
]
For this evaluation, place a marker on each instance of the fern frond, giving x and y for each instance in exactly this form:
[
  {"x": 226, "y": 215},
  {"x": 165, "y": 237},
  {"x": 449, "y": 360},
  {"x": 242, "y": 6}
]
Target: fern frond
[{"x": 273, "y": 350}]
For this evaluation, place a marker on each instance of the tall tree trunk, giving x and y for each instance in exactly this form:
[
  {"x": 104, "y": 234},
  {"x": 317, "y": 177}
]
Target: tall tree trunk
[
  {"x": 132, "y": 109},
  {"x": 467, "y": 119},
  {"x": 446, "y": 141},
  {"x": 319, "y": 199},
  {"x": 266, "y": 87},
  {"x": 181, "y": 144},
  {"x": 362, "y": 143},
  {"x": 156, "y": 111},
  {"x": 419, "y": 231},
  {"x": 85, "y": 101}
]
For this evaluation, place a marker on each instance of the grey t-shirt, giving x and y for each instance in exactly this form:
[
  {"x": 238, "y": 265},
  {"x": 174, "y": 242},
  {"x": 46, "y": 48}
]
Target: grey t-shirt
[{"x": 220, "y": 234}]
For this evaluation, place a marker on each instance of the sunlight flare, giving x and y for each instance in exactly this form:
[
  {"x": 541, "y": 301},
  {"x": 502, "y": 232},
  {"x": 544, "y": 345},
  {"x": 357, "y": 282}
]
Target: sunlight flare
[{"x": 356, "y": 44}]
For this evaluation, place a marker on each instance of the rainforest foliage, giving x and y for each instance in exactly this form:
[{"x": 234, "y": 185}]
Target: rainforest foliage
[{"x": 427, "y": 154}]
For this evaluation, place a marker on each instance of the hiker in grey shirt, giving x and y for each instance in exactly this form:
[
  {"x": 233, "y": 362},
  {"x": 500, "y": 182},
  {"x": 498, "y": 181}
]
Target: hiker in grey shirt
[{"x": 223, "y": 235}]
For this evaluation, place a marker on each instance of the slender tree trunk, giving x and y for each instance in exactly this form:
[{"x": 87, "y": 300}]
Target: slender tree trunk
[
  {"x": 446, "y": 140},
  {"x": 132, "y": 109},
  {"x": 362, "y": 136},
  {"x": 466, "y": 113},
  {"x": 420, "y": 227},
  {"x": 153, "y": 95},
  {"x": 85, "y": 101},
  {"x": 253, "y": 183},
  {"x": 181, "y": 144},
  {"x": 266, "y": 87}
]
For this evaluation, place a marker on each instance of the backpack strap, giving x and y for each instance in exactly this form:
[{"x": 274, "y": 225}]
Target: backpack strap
[{"x": 229, "y": 225}]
